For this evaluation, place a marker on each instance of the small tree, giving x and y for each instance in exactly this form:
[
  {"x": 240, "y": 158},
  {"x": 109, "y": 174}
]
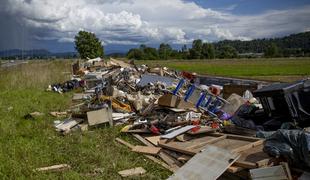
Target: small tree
[
  {"x": 88, "y": 45},
  {"x": 164, "y": 51},
  {"x": 227, "y": 51},
  {"x": 195, "y": 52},
  {"x": 208, "y": 51},
  {"x": 272, "y": 50}
]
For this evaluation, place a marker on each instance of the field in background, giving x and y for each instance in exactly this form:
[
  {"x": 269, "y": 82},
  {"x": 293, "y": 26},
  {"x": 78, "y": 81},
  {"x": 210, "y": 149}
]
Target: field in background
[
  {"x": 280, "y": 69},
  {"x": 28, "y": 144}
]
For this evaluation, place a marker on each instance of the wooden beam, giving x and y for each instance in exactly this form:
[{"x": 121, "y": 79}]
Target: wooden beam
[
  {"x": 248, "y": 146},
  {"x": 234, "y": 169},
  {"x": 245, "y": 164},
  {"x": 243, "y": 138},
  {"x": 144, "y": 141},
  {"x": 146, "y": 150},
  {"x": 207, "y": 142},
  {"x": 147, "y": 156},
  {"x": 168, "y": 146}
]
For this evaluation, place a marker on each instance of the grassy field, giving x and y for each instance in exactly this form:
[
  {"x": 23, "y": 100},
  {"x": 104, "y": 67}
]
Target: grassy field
[
  {"x": 264, "y": 69},
  {"x": 29, "y": 144}
]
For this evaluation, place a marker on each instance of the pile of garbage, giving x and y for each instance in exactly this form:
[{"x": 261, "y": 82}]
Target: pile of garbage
[{"x": 190, "y": 128}]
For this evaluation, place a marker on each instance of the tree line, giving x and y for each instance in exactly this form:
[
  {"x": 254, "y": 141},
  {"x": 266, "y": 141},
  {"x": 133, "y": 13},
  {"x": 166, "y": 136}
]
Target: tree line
[
  {"x": 296, "y": 45},
  {"x": 199, "y": 50}
]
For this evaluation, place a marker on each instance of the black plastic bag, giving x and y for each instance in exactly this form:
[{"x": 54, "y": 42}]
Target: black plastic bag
[{"x": 290, "y": 144}]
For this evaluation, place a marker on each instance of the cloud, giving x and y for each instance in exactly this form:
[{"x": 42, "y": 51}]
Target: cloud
[{"x": 145, "y": 21}]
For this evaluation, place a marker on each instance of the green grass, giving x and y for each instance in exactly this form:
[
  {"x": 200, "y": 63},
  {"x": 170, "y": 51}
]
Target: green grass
[
  {"x": 268, "y": 69},
  {"x": 29, "y": 144}
]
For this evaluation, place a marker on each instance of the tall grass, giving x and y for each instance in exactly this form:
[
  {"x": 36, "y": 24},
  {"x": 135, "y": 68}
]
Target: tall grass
[{"x": 35, "y": 74}]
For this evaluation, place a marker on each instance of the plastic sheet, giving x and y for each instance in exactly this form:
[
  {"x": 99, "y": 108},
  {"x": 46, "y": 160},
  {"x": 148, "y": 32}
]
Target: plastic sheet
[{"x": 290, "y": 144}]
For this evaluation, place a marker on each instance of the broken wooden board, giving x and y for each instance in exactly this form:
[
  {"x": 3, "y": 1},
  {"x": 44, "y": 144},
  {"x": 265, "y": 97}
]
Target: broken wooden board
[
  {"x": 146, "y": 150},
  {"x": 230, "y": 142},
  {"x": 54, "y": 168},
  {"x": 269, "y": 173},
  {"x": 153, "y": 139},
  {"x": 147, "y": 156},
  {"x": 207, "y": 165},
  {"x": 99, "y": 116},
  {"x": 178, "y": 132},
  {"x": 172, "y": 162},
  {"x": 132, "y": 172},
  {"x": 251, "y": 149}
]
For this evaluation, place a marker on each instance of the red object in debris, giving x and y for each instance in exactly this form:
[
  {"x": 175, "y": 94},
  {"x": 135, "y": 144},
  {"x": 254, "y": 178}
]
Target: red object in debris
[
  {"x": 154, "y": 129},
  {"x": 215, "y": 90},
  {"x": 195, "y": 129},
  {"x": 188, "y": 75},
  {"x": 215, "y": 125}
]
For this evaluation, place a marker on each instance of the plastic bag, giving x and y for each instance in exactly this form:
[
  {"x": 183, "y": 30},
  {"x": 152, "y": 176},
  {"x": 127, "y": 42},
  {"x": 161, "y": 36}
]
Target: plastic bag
[{"x": 290, "y": 144}]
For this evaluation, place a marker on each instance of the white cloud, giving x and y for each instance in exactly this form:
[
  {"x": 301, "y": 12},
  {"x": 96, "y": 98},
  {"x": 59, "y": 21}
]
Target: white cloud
[{"x": 146, "y": 21}]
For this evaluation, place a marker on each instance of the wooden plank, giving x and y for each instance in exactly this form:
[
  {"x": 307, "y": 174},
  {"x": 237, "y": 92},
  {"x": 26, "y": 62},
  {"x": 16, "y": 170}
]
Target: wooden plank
[
  {"x": 269, "y": 173},
  {"x": 132, "y": 172},
  {"x": 153, "y": 139},
  {"x": 55, "y": 168},
  {"x": 177, "y": 149},
  {"x": 147, "y": 156},
  {"x": 208, "y": 142},
  {"x": 146, "y": 150},
  {"x": 174, "y": 164},
  {"x": 234, "y": 169},
  {"x": 177, "y": 132},
  {"x": 245, "y": 164},
  {"x": 248, "y": 146},
  {"x": 124, "y": 143},
  {"x": 145, "y": 142},
  {"x": 207, "y": 165},
  {"x": 287, "y": 170},
  {"x": 243, "y": 138}
]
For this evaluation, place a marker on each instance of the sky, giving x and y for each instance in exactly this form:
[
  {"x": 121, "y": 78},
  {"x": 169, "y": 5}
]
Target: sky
[{"x": 123, "y": 24}]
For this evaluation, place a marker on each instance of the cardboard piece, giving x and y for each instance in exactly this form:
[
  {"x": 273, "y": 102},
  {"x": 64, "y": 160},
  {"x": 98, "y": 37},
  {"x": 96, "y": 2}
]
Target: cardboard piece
[
  {"x": 235, "y": 101},
  {"x": 100, "y": 116},
  {"x": 168, "y": 100}
]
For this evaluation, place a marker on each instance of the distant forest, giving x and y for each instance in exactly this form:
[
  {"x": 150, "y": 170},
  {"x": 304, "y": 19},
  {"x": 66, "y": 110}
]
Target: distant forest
[{"x": 296, "y": 45}]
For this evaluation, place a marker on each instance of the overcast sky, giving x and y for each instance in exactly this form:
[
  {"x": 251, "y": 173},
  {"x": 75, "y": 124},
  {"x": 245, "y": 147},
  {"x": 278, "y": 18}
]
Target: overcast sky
[{"x": 52, "y": 24}]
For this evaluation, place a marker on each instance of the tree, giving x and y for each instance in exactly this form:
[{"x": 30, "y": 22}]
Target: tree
[
  {"x": 227, "y": 51},
  {"x": 272, "y": 50},
  {"x": 195, "y": 52},
  {"x": 208, "y": 51},
  {"x": 150, "y": 53},
  {"x": 88, "y": 45},
  {"x": 135, "y": 54},
  {"x": 164, "y": 51}
]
